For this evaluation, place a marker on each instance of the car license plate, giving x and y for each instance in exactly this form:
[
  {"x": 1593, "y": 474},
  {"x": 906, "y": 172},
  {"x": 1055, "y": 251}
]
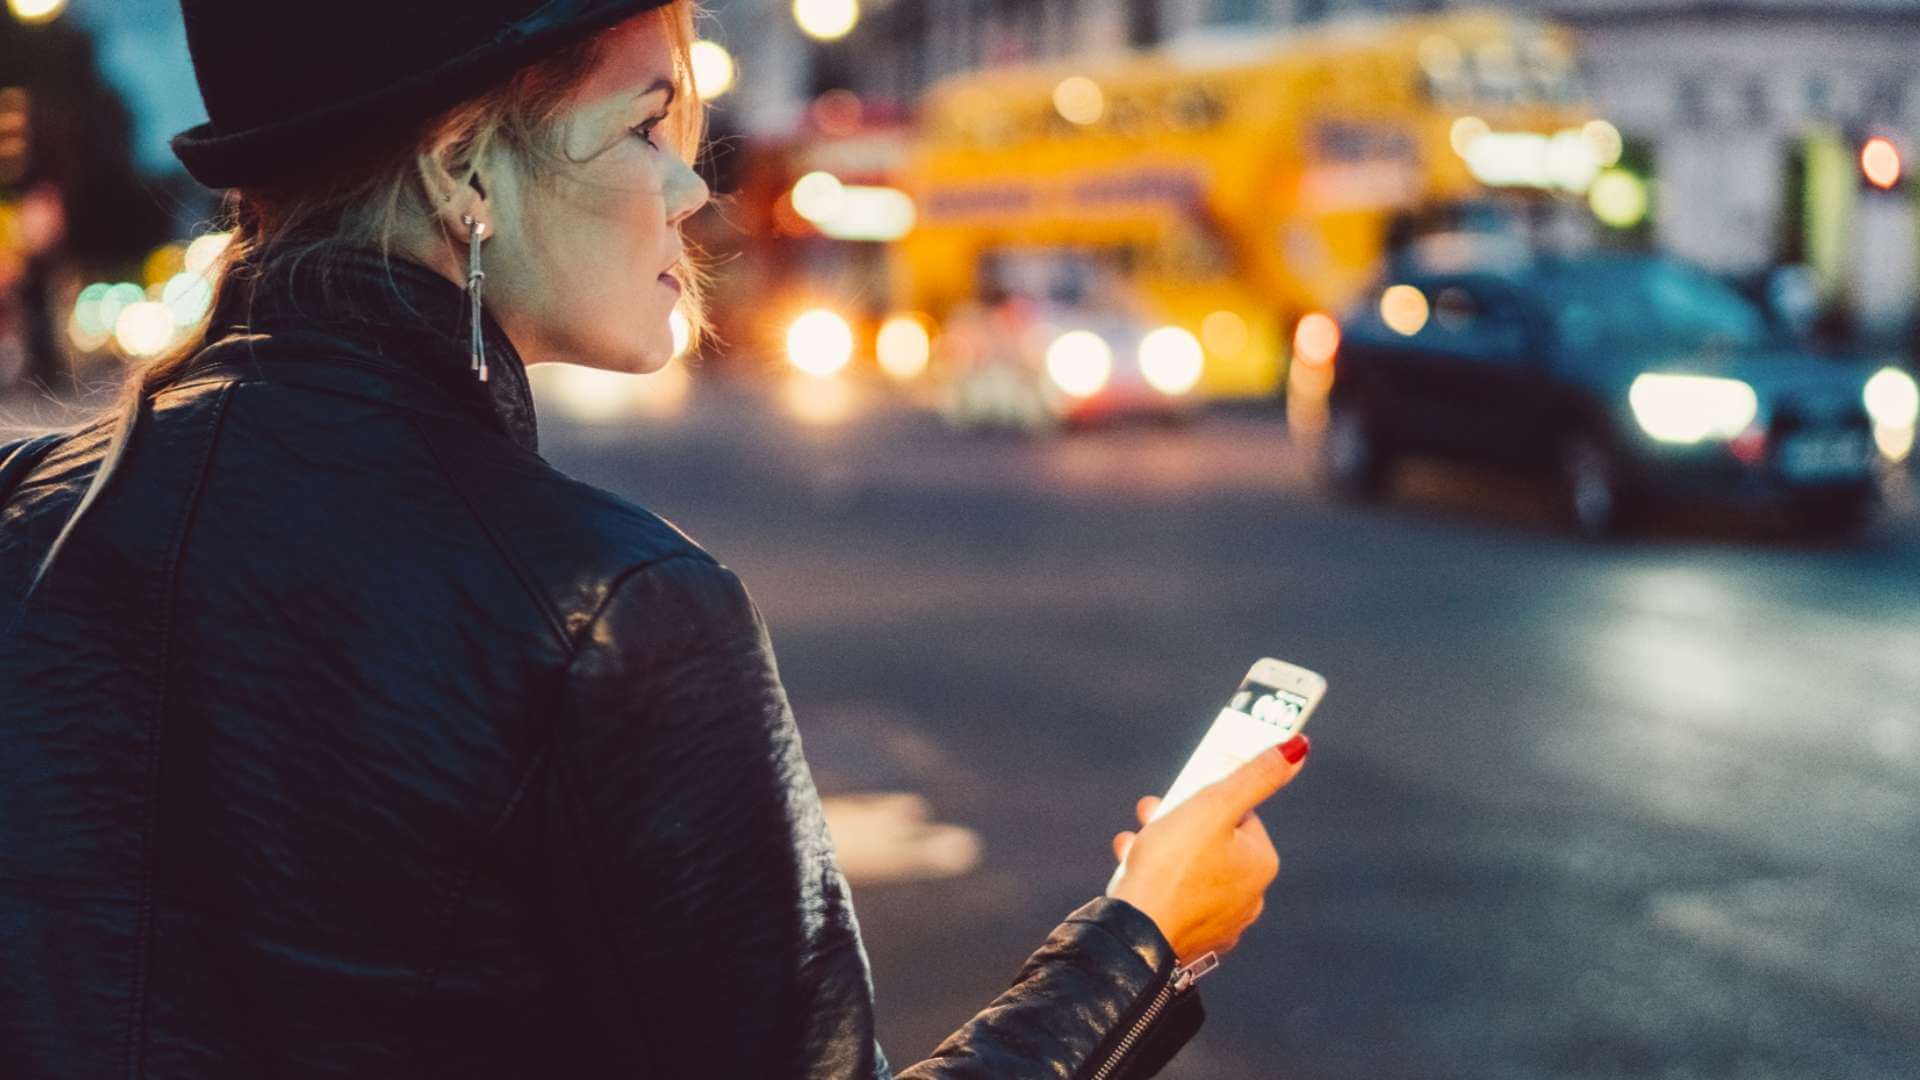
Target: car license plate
[{"x": 1824, "y": 456}]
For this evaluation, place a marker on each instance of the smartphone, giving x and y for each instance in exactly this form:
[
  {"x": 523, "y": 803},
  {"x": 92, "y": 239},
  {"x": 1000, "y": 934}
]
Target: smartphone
[{"x": 1271, "y": 706}]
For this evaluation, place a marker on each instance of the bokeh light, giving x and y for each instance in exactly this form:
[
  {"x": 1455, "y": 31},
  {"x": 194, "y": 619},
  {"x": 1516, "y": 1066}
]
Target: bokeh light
[
  {"x": 903, "y": 347},
  {"x": 189, "y": 297},
  {"x": 1892, "y": 398},
  {"x": 868, "y": 212},
  {"x": 97, "y": 312},
  {"x": 144, "y": 329},
  {"x": 1896, "y": 444},
  {"x": 591, "y": 396},
  {"x": 819, "y": 196},
  {"x": 1605, "y": 141},
  {"x": 1619, "y": 199},
  {"x": 1080, "y": 100},
  {"x": 1171, "y": 360},
  {"x": 1317, "y": 339},
  {"x": 165, "y": 261},
  {"x": 838, "y": 112},
  {"x": 1880, "y": 161},
  {"x": 1465, "y": 132},
  {"x": 205, "y": 251},
  {"x": 682, "y": 330},
  {"x": 84, "y": 326},
  {"x": 1687, "y": 409},
  {"x": 34, "y": 11},
  {"x": 826, "y": 20},
  {"x": 820, "y": 343},
  {"x": 713, "y": 69},
  {"x": 1080, "y": 362},
  {"x": 1405, "y": 309}
]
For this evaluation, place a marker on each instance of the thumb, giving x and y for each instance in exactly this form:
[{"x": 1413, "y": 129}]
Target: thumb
[{"x": 1240, "y": 792}]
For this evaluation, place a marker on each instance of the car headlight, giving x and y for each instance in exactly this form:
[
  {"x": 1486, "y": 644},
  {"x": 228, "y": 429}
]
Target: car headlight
[
  {"x": 1692, "y": 408},
  {"x": 1892, "y": 398},
  {"x": 1080, "y": 362},
  {"x": 1171, "y": 360}
]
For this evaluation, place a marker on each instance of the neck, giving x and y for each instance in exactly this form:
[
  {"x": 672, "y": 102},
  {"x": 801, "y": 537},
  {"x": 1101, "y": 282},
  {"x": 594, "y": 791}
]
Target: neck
[{"x": 406, "y": 315}]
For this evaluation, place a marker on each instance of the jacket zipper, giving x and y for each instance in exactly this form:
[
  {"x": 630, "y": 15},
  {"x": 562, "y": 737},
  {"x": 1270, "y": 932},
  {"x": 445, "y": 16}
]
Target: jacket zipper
[{"x": 1183, "y": 979}]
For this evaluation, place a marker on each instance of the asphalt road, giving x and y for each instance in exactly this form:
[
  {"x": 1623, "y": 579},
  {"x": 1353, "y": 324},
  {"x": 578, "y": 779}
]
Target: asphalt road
[{"x": 1649, "y": 810}]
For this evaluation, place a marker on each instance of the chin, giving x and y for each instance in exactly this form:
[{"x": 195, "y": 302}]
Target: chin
[{"x": 650, "y": 354}]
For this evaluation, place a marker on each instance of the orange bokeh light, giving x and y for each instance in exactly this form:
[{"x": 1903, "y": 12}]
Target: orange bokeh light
[
  {"x": 1880, "y": 161},
  {"x": 1316, "y": 339}
]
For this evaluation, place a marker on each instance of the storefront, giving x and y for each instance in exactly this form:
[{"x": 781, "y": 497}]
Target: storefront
[{"x": 1773, "y": 135}]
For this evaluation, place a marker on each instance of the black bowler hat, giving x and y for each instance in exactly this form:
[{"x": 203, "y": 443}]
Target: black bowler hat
[{"x": 287, "y": 84}]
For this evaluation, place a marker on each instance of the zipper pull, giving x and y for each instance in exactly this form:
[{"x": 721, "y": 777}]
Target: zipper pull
[{"x": 1202, "y": 966}]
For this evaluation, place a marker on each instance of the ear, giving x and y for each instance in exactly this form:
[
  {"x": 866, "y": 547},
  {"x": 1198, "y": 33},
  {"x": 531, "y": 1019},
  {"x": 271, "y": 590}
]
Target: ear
[{"x": 455, "y": 190}]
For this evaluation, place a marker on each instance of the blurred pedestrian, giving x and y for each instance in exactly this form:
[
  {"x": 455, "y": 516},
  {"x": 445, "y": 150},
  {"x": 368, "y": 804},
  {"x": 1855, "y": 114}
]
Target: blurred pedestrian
[{"x": 343, "y": 735}]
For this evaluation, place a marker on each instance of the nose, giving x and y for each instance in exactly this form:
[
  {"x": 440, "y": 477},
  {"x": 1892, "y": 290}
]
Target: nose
[{"x": 686, "y": 193}]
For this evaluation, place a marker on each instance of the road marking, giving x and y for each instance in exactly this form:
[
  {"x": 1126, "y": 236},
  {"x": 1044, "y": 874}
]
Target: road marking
[{"x": 889, "y": 837}]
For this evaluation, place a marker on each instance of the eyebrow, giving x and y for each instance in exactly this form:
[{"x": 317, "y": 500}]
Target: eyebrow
[{"x": 659, "y": 85}]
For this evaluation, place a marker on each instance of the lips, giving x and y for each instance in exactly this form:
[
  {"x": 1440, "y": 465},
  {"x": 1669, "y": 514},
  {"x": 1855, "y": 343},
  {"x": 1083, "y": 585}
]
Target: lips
[{"x": 670, "y": 281}]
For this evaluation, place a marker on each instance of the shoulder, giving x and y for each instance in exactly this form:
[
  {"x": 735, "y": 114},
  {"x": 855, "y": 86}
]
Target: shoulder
[
  {"x": 569, "y": 545},
  {"x": 582, "y": 547}
]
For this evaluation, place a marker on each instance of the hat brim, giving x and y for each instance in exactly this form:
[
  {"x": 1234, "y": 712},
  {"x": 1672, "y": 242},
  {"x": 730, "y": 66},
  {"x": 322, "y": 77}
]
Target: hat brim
[{"x": 274, "y": 152}]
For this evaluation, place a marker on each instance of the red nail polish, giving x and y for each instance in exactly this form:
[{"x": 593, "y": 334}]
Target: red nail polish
[{"x": 1295, "y": 749}]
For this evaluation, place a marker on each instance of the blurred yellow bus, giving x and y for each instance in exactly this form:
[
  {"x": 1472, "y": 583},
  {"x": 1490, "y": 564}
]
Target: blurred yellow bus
[{"x": 1237, "y": 185}]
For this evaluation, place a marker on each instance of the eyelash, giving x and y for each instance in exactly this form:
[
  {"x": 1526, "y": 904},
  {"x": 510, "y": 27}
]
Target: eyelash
[{"x": 645, "y": 131}]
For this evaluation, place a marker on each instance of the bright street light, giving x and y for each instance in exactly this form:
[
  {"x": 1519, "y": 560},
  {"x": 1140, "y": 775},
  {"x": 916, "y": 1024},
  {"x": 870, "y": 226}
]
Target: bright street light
[
  {"x": 713, "y": 69},
  {"x": 826, "y": 20},
  {"x": 36, "y": 11},
  {"x": 820, "y": 343}
]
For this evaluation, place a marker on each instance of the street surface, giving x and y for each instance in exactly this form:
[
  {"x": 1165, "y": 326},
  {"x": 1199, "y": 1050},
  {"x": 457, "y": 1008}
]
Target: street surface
[{"x": 1649, "y": 810}]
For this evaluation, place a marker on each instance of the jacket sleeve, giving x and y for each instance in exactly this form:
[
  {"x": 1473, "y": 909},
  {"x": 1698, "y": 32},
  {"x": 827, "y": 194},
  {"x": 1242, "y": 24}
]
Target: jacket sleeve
[
  {"x": 1097, "y": 995},
  {"x": 720, "y": 940}
]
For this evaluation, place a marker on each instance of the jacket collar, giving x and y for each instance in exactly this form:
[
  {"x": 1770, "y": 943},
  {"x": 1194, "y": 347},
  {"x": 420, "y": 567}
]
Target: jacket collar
[{"x": 389, "y": 313}]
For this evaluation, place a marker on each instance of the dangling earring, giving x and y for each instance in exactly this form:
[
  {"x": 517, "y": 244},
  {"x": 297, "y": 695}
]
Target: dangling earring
[{"x": 476, "y": 280}]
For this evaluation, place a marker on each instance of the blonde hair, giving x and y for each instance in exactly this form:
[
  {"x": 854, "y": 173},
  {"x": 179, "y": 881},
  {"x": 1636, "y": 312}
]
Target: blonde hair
[{"x": 367, "y": 203}]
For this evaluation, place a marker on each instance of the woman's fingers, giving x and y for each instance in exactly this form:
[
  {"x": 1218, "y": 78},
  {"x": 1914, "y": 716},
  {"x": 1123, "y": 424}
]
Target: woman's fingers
[
  {"x": 1244, "y": 789},
  {"x": 1122, "y": 842},
  {"x": 1145, "y": 807}
]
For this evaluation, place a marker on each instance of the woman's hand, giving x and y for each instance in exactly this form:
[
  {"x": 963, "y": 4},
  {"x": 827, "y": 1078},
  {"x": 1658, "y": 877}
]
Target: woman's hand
[{"x": 1202, "y": 871}]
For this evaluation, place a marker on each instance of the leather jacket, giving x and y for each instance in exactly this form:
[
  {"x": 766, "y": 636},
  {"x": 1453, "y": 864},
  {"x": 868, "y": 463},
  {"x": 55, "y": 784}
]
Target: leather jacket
[{"x": 346, "y": 736}]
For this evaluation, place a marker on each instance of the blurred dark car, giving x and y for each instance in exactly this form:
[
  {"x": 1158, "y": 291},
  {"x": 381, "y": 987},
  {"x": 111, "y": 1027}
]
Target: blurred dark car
[{"x": 1633, "y": 380}]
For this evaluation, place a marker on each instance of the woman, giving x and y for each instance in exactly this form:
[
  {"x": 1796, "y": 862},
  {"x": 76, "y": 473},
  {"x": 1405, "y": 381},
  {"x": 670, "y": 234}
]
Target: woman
[{"x": 343, "y": 735}]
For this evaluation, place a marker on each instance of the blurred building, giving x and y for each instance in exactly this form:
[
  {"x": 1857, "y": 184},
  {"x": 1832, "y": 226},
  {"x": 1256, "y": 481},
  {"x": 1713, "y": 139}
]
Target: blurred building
[
  {"x": 1753, "y": 117},
  {"x": 1748, "y": 117}
]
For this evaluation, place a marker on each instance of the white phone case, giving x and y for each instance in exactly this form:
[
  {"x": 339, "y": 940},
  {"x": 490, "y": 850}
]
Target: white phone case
[
  {"x": 1238, "y": 737},
  {"x": 1274, "y": 702}
]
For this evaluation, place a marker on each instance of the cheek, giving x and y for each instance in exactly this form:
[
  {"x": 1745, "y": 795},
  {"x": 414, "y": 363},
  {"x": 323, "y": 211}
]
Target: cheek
[
  {"x": 609, "y": 236},
  {"x": 596, "y": 247}
]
